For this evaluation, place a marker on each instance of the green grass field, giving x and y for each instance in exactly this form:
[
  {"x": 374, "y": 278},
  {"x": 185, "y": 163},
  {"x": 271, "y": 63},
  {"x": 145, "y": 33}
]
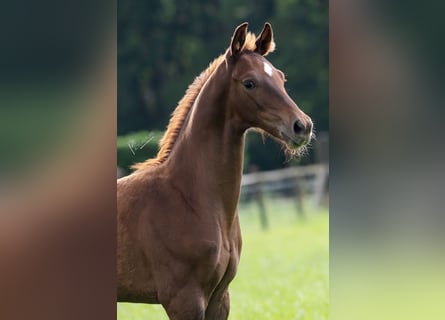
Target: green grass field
[{"x": 283, "y": 273}]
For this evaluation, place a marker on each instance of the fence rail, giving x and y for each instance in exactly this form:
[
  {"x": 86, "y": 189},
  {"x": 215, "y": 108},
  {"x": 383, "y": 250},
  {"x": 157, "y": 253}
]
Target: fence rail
[
  {"x": 298, "y": 181},
  {"x": 282, "y": 174}
]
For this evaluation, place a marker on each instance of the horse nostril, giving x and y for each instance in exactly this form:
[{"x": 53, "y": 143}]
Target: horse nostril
[{"x": 298, "y": 127}]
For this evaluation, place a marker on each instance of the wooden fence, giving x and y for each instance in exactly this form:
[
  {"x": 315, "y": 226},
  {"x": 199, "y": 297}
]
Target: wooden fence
[{"x": 300, "y": 182}]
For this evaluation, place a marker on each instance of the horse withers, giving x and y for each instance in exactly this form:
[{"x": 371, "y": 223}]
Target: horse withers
[{"x": 179, "y": 238}]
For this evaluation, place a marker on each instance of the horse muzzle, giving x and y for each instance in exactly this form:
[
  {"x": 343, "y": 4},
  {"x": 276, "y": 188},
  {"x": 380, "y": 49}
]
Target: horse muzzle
[{"x": 301, "y": 133}]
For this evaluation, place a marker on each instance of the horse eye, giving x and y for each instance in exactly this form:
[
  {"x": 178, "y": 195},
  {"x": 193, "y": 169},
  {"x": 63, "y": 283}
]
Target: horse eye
[{"x": 249, "y": 84}]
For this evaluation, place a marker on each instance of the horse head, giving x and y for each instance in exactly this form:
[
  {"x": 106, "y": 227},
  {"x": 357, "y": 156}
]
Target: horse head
[{"x": 257, "y": 94}]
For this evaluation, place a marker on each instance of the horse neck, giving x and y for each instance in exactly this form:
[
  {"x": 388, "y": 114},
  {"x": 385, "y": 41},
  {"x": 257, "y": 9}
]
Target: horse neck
[{"x": 208, "y": 154}]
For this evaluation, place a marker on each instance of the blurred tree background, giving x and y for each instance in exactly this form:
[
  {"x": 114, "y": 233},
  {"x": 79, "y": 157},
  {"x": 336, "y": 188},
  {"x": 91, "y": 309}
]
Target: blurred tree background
[{"x": 164, "y": 44}]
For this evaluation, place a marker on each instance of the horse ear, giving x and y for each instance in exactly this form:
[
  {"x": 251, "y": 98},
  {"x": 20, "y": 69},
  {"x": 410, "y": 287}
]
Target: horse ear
[
  {"x": 264, "y": 42},
  {"x": 238, "y": 39}
]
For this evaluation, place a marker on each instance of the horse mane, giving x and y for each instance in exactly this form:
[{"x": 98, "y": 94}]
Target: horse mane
[{"x": 185, "y": 104}]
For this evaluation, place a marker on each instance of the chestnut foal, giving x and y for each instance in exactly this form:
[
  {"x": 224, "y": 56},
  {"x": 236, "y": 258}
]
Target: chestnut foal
[{"x": 179, "y": 238}]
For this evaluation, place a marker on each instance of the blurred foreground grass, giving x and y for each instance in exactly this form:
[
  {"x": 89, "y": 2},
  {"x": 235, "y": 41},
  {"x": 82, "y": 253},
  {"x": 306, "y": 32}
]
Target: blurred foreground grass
[{"x": 283, "y": 273}]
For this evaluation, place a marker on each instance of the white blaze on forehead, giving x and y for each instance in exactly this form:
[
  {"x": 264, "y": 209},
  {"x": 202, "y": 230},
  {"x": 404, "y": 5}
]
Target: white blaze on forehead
[{"x": 268, "y": 69}]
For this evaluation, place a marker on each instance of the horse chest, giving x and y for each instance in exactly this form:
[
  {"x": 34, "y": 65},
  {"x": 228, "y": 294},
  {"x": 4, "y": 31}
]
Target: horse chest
[
  {"x": 215, "y": 260},
  {"x": 225, "y": 266}
]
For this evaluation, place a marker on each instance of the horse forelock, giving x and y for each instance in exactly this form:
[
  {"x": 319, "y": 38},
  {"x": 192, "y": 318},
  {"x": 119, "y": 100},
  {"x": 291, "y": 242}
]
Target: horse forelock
[
  {"x": 185, "y": 104},
  {"x": 250, "y": 44}
]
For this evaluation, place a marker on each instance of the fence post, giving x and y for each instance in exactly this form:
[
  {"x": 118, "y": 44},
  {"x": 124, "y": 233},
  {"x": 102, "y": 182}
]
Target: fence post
[
  {"x": 258, "y": 193},
  {"x": 299, "y": 200}
]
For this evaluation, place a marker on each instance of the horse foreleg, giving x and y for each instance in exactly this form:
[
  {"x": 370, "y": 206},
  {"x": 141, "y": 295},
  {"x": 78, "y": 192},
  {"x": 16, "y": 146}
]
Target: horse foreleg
[
  {"x": 219, "y": 306},
  {"x": 186, "y": 304}
]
